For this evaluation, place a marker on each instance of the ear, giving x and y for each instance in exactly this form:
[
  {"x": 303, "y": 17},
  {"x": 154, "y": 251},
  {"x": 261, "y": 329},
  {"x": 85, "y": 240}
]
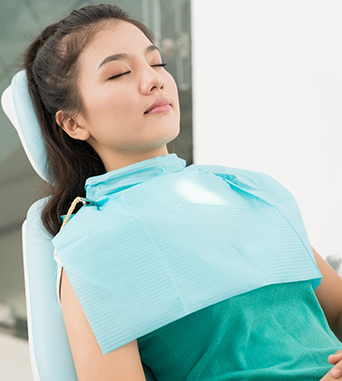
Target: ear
[{"x": 72, "y": 127}]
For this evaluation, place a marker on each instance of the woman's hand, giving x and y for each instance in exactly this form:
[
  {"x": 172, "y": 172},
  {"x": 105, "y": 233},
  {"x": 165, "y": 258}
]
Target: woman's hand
[
  {"x": 328, "y": 377},
  {"x": 336, "y": 371},
  {"x": 336, "y": 360}
]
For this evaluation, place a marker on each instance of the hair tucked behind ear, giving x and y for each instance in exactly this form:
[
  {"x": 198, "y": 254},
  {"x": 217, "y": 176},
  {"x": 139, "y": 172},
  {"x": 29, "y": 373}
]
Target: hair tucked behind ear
[{"x": 51, "y": 64}]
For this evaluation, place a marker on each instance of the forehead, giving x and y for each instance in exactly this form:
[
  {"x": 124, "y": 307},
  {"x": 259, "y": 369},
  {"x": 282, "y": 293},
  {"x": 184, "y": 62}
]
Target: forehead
[{"x": 115, "y": 37}]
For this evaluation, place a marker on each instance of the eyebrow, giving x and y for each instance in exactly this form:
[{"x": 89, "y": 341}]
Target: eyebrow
[{"x": 125, "y": 56}]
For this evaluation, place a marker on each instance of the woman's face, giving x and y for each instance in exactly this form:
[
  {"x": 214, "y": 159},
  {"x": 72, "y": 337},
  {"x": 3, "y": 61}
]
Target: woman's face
[{"x": 120, "y": 80}]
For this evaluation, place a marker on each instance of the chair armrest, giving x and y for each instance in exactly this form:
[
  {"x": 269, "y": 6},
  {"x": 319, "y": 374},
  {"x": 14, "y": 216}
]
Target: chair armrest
[{"x": 50, "y": 352}]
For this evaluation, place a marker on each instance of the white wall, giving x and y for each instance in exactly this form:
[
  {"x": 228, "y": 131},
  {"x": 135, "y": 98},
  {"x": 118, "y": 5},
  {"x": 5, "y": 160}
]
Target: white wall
[{"x": 267, "y": 93}]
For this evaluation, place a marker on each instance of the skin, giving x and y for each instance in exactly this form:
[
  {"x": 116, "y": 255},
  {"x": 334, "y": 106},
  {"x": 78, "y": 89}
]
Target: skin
[{"x": 114, "y": 123}]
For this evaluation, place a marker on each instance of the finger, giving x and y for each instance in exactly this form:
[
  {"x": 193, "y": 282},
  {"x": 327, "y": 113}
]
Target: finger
[
  {"x": 333, "y": 359},
  {"x": 328, "y": 377},
  {"x": 336, "y": 372}
]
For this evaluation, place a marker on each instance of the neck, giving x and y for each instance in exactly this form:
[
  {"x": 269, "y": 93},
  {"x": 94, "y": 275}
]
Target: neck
[{"x": 115, "y": 160}]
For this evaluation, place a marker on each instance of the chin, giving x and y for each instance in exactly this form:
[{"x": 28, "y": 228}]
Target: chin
[{"x": 168, "y": 134}]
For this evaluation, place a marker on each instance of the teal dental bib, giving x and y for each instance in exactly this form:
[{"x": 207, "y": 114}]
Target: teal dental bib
[{"x": 162, "y": 240}]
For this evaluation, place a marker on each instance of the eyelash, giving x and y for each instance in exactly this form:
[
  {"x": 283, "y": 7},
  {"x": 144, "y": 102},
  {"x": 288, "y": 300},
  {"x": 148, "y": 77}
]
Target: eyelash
[{"x": 127, "y": 72}]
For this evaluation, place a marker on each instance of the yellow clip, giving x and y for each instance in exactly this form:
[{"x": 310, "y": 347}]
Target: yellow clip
[{"x": 72, "y": 207}]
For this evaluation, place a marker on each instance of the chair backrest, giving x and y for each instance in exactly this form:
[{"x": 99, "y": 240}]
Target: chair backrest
[{"x": 51, "y": 358}]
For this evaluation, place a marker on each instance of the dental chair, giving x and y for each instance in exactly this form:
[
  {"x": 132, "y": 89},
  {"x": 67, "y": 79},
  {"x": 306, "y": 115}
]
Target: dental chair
[{"x": 51, "y": 358}]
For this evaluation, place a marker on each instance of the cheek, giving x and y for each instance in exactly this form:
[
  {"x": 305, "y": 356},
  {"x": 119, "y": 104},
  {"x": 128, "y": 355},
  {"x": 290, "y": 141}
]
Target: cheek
[
  {"x": 172, "y": 86},
  {"x": 110, "y": 104}
]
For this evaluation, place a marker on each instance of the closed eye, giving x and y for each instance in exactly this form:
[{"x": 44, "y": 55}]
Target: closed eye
[
  {"x": 127, "y": 72},
  {"x": 119, "y": 75},
  {"x": 161, "y": 64}
]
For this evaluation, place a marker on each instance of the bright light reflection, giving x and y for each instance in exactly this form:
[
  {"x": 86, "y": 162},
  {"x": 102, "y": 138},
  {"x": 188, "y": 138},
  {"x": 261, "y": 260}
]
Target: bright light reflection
[{"x": 196, "y": 194}]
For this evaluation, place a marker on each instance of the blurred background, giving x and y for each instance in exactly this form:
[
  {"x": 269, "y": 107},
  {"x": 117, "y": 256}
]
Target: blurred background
[{"x": 260, "y": 86}]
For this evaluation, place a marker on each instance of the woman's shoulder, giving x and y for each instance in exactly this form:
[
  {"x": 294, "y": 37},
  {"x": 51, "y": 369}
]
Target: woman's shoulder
[{"x": 248, "y": 180}]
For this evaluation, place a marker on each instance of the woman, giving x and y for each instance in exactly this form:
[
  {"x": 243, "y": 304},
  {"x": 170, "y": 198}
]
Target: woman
[{"x": 107, "y": 109}]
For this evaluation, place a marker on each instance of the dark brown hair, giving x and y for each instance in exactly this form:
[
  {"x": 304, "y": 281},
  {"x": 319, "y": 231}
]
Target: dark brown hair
[{"x": 51, "y": 64}]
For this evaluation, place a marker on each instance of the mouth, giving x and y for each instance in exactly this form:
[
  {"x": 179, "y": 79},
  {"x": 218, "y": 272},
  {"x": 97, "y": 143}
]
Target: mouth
[{"x": 160, "y": 105}]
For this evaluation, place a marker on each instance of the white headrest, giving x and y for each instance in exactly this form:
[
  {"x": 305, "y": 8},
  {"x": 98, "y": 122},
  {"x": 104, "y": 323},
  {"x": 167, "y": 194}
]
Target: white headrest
[{"x": 17, "y": 105}]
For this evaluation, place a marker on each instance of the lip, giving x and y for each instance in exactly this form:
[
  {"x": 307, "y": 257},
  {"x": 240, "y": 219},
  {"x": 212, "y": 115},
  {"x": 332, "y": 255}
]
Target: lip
[{"x": 160, "y": 105}]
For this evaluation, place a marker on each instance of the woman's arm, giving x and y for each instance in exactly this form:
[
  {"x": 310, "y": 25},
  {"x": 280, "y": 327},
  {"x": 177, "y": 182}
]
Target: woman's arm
[
  {"x": 122, "y": 364},
  {"x": 329, "y": 295}
]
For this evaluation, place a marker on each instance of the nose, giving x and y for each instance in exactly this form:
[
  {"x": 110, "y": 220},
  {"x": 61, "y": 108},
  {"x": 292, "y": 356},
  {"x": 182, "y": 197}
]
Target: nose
[{"x": 151, "y": 80}]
